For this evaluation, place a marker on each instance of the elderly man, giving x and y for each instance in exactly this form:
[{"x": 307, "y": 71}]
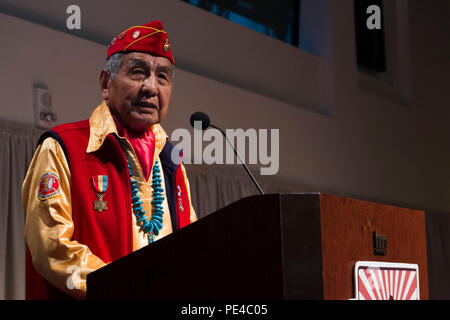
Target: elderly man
[{"x": 98, "y": 189}]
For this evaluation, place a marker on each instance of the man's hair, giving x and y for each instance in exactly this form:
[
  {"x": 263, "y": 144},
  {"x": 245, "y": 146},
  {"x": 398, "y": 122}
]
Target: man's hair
[{"x": 112, "y": 65}]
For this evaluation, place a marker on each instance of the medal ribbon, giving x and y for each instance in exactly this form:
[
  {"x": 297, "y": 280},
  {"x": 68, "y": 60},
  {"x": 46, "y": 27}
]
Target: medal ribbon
[{"x": 100, "y": 183}]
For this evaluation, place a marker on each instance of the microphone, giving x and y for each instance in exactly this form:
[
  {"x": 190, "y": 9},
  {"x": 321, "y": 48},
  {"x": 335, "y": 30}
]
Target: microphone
[
  {"x": 205, "y": 122},
  {"x": 201, "y": 117}
]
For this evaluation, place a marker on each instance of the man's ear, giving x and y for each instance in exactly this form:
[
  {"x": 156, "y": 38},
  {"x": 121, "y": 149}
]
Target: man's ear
[{"x": 105, "y": 79}]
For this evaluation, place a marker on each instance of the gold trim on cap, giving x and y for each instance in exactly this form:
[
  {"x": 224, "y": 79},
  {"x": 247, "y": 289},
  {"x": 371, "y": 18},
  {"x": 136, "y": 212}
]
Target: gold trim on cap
[
  {"x": 139, "y": 39},
  {"x": 151, "y": 28}
]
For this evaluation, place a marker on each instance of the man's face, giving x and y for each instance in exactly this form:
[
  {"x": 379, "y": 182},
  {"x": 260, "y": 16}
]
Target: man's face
[{"x": 139, "y": 94}]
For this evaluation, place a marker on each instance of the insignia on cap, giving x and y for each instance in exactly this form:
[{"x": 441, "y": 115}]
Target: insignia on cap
[
  {"x": 166, "y": 46},
  {"x": 136, "y": 34},
  {"x": 48, "y": 186}
]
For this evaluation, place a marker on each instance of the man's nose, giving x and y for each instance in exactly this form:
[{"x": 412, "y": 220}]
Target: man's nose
[{"x": 149, "y": 86}]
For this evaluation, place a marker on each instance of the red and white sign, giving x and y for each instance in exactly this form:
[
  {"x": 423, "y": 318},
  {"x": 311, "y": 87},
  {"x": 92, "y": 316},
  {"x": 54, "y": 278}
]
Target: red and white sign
[{"x": 386, "y": 281}]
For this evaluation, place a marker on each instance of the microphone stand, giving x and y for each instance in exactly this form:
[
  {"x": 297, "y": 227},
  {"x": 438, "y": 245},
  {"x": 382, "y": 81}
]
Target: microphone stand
[{"x": 237, "y": 155}]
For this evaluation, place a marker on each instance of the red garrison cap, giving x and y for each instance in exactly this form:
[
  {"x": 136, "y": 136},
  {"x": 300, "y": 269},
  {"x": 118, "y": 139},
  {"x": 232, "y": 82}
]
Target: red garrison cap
[{"x": 148, "y": 38}]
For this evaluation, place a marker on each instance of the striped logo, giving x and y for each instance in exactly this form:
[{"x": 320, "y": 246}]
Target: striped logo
[
  {"x": 387, "y": 281},
  {"x": 100, "y": 183}
]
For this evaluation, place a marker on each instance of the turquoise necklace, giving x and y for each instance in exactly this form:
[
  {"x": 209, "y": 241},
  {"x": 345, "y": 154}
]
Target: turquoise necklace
[{"x": 150, "y": 226}]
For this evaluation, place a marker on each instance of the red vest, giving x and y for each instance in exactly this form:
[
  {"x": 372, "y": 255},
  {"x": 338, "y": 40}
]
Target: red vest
[{"x": 107, "y": 234}]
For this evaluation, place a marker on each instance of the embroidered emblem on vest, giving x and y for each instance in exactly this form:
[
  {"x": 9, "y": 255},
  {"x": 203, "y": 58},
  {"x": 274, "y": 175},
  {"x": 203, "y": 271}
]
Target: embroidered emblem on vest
[
  {"x": 100, "y": 184},
  {"x": 48, "y": 186}
]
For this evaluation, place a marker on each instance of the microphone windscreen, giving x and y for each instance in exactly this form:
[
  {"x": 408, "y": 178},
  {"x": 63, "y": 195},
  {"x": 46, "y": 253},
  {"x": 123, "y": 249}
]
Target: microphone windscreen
[{"x": 202, "y": 117}]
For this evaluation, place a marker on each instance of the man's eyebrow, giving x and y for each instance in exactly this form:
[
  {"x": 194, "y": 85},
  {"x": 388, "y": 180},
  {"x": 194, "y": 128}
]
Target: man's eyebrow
[
  {"x": 164, "y": 68},
  {"x": 140, "y": 62},
  {"x": 134, "y": 62}
]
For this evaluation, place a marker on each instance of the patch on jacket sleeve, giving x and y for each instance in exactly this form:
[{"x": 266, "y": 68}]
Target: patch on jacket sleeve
[{"x": 48, "y": 186}]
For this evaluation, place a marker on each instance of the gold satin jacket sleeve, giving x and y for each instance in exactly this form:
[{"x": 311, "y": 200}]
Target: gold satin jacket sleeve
[{"x": 49, "y": 226}]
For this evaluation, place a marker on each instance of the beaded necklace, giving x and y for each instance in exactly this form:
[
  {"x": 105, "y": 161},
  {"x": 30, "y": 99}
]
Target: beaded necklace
[{"x": 150, "y": 226}]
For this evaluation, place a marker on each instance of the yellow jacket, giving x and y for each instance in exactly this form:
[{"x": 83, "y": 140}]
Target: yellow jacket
[{"x": 49, "y": 227}]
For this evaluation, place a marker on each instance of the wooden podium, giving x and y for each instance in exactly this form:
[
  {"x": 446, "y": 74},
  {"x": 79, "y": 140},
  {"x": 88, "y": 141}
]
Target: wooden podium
[{"x": 279, "y": 246}]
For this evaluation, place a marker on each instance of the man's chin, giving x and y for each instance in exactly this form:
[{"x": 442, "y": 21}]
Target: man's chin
[{"x": 142, "y": 123}]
